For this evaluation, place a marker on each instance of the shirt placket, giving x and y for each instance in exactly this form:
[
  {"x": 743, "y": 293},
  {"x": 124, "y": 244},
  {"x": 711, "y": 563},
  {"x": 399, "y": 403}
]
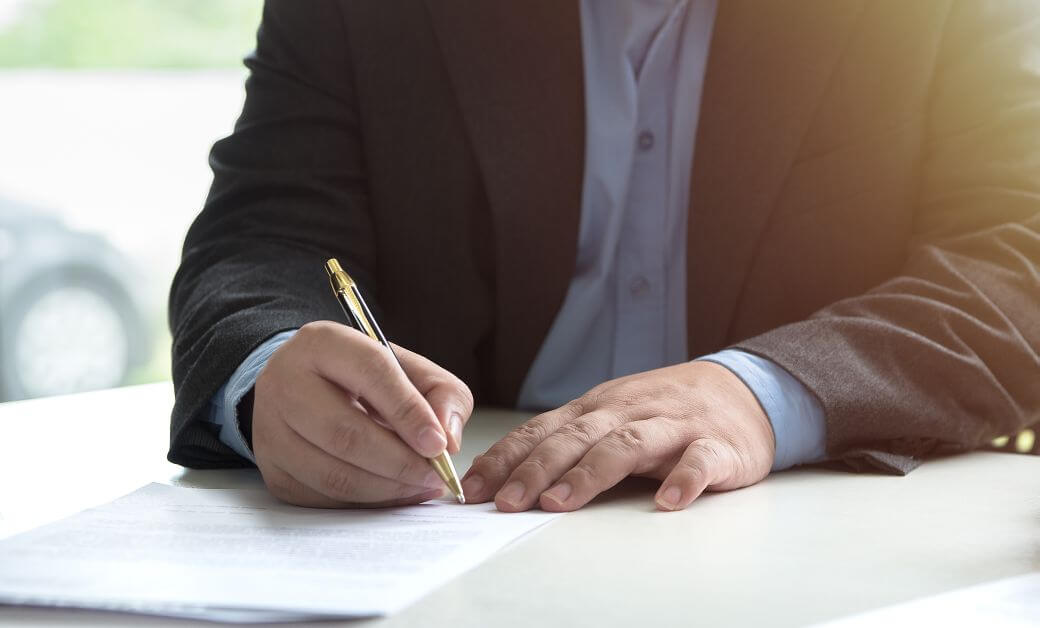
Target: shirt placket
[{"x": 641, "y": 295}]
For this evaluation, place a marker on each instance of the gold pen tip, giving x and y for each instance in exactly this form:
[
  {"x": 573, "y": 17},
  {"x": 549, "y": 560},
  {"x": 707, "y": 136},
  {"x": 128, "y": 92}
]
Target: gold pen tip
[{"x": 446, "y": 470}]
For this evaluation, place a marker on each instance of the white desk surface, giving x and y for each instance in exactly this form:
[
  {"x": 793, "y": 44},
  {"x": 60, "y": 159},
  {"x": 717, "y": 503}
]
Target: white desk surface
[{"x": 801, "y": 547}]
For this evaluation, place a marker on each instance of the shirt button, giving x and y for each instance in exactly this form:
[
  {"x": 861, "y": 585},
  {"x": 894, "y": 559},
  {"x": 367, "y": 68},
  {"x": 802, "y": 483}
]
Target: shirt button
[
  {"x": 646, "y": 140},
  {"x": 639, "y": 286}
]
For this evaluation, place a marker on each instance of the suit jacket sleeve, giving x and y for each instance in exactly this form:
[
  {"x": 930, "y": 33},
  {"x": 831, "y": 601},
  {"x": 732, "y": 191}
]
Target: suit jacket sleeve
[
  {"x": 944, "y": 356},
  {"x": 288, "y": 192}
]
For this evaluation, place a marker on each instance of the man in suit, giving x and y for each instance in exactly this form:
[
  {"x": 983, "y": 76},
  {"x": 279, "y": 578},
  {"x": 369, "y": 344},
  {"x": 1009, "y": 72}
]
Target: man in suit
[{"x": 711, "y": 240}]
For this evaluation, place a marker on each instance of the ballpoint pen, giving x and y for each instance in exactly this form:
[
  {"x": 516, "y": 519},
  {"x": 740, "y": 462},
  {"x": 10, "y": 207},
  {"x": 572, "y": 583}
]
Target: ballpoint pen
[{"x": 360, "y": 318}]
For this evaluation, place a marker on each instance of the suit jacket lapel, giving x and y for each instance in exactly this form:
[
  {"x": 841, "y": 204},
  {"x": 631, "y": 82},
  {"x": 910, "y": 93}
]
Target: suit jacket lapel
[
  {"x": 769, "y": 65},
  {"x": 518, "y": 75}
]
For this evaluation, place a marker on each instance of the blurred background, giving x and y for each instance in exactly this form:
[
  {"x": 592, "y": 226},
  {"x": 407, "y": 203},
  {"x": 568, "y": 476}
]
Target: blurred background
[{"x": 108, "y": 109}]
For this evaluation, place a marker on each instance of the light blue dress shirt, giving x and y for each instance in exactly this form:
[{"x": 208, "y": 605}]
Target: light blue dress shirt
[{"x": 625, "y": 309}]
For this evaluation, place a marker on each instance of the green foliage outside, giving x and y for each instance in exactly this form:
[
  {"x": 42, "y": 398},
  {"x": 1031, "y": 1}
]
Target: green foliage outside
[{"x": 158, "y": 34}]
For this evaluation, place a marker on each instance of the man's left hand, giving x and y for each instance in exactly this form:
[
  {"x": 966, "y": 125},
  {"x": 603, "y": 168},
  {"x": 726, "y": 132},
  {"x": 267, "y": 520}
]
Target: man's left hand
[{"x": 695, "y": 426}]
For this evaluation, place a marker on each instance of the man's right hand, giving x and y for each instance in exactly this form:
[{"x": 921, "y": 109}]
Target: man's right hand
[{"x": 337, "y": 424}]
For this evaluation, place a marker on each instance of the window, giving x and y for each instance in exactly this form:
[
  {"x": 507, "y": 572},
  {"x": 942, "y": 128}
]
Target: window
[{"x": 109, "y": 108}]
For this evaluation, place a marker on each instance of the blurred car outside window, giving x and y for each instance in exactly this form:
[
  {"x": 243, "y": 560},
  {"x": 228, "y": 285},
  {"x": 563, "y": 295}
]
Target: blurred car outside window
[{"x": 108, "y": 109}]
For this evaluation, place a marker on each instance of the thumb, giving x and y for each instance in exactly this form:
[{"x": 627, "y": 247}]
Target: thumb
[
  {"x": 449, "y": 407},
  {"x": 706, "y": 462}
]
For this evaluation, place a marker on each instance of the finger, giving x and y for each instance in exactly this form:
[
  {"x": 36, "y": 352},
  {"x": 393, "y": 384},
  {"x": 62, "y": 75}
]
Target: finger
[
  {"x": 631, "y": 448},
  {"x": 345, "y": 431},
  {"x": 290, "y": 490},
  {"x": 490, "y": 469},
  {"x": 361, "y": 365},
  {"x": 450, "y": 398},
  {"x": 551, "y": 458},
  {"x": 705, "y": 462},
  {"x": 338, "y": 480}
]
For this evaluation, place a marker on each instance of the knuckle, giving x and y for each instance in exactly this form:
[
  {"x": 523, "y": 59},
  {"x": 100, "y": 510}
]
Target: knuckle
[
  {"x": 305, "y": 333},
  {"x": 463, "y": 393},
  {"x": 411, "y": 408},
  {"x": 312, "y": 332},
  {"x": 602, "y": 397},
  {"x": 599, "y": 396},
  {"x": 454, "y": 388},
  {"x": 439, "y": 380},
  {"x": 580, "y": 432},
  {"x": 583, "y": 474},
  {"x": 338, "y": 482},
  {"x": 492, "y": 461},
  {"x": 575, "y": 407},
  {"x": 529, "y": 433},
  {"x": 514, "y": 446},
  {"x": 521, "y": 440},
  {"x": 312, "y": 327},
  {"x": 627, "y": 439},
  {"x": 702, "y": 455},
  {"x": 343, "y": 439},
  {"x": 374, "y": 363},
  {"x": 534, "y": 467},
  {"x": 406, "y": 472}
]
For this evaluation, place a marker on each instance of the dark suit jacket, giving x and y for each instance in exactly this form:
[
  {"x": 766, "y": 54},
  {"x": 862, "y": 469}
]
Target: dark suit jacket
[{"x": 865, "y": 203}]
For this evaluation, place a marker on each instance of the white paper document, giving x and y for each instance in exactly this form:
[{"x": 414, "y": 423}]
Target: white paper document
[
  {"x": 1010, "y": 603},
  {"x": 240, "y": 555}
]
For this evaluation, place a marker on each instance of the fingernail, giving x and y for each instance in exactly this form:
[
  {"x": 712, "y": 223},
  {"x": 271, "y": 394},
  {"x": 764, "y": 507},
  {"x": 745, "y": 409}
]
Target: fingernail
[
  {"x": 670, "y": 497},
  {"x": 433, "y": 480},
  {"x": 512, "y": 493},
  {"x": 559, "y": 493},
  {"x": 432, "y": 442},
  {"x": 455, "y": 426},
  {"x": 472, "y": 485}
]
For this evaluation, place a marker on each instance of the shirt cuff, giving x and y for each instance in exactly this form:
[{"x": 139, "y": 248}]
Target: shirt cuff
[
  {"x": 224, "y": 405},
  {"x": 794, "y": 412}
]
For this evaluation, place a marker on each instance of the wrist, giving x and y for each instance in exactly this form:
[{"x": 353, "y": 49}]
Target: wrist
[
  {"x": 740, "y": 398},
  {"x": 795, "y": 416}
]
